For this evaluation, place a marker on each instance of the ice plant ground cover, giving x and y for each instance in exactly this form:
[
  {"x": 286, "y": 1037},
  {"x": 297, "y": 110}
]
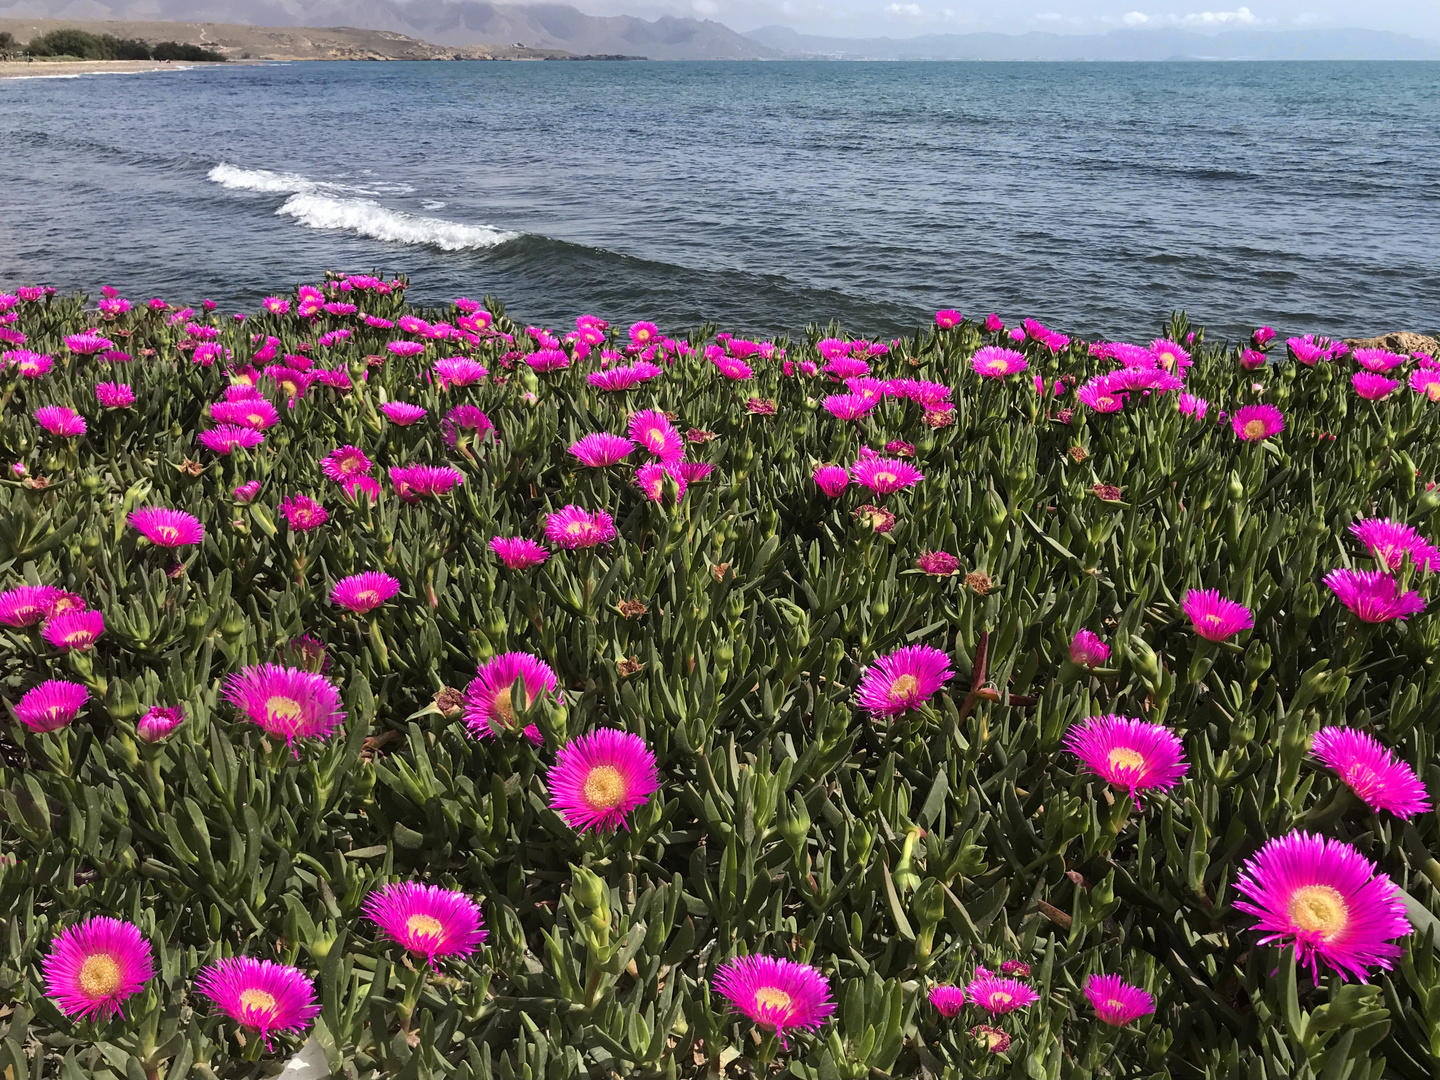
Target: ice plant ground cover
[{"x": 484, "y": 700}]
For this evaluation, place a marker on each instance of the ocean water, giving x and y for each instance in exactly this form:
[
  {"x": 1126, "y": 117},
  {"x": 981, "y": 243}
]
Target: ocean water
[{"x": 765, "y": 196}]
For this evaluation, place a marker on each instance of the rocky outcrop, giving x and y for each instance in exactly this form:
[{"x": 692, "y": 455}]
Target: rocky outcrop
[{"x": 1401, "y": 341}]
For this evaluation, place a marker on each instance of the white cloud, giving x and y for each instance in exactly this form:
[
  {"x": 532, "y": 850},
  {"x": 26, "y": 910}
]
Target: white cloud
[
  {"x": 1239, "y": 17},
  {"x": 1135, "y": 18},
  {"x": 913, "y": 10},
  {"x": 705, "y": 7},
  {"x": 1049, "y": 16}
]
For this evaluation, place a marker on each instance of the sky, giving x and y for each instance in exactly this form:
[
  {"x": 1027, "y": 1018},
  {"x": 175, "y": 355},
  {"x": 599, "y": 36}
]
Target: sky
[{"x": 908, "y": 18}]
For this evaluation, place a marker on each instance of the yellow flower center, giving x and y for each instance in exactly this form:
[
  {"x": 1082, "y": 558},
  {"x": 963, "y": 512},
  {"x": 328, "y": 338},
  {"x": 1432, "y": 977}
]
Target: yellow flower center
[
  {"x": 424, "y": 926},
  {"x": 998, "y": 366},
  {"x": 1166, "y": 359},
  {"x": 885, "y": 478},
  {"x": 253, "y": 1000},
  {"x": 1255, "y": 429},
  {"x": 1432, "y": 391},
  {"x": 904, "y": 686},
  {"x": 78, "y": 637},
  {"x": 1001, "y": 997},
  {"x": 1319, "y": 909},
  {"x": 989, "y": 1038},
  {"x": 604, "y": 788},
  {"x": 505, "y": 707},
  {"x": 1115, "y": 1005},
  {"x": 575, "y": 528},
  {"x": 168, "y": 534},
  {"x": 367, "y": 598},
  {"x": 254, "y": 418},
  {"x": 1122, "y": 757},
  {"x": 1211, "y": 619},
  {"x": 769, "y": 997},
  {"x": 99, "y": 976},
  {"x": 282, "y": 710},
  {"x": 1105, "y": 400}
]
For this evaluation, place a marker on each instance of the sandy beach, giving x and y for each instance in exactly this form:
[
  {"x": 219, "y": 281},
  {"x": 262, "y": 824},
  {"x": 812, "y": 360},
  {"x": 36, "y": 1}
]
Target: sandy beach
[{"x": 70, "y": 69}]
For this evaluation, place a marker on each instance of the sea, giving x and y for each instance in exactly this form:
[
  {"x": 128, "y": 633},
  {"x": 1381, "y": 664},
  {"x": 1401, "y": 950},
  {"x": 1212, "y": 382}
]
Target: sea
[{"x": 762, "y": 197}]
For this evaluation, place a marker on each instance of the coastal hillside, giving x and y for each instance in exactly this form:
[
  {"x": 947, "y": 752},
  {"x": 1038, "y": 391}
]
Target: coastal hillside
[{"x": 538, "y": 27}]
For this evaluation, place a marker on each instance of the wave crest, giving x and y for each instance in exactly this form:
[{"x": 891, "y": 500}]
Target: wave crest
[{"x": 369, "y": 218}]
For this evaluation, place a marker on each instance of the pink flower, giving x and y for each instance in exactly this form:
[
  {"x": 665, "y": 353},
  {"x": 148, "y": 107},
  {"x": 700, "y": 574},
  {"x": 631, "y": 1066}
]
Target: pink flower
[
  {"x": 849, "y": 406},
  {"x": 51, "y": 706},
  {"x": 304, "y": 513},
  {"x": 573, "y": 527},
  {"x": 602, "y": 449},
  {"x": 93, "y": 966},
  {"x": 168, "y": 528},
  {"x": 1169, "y": 355},
  {"x": 415, "y": 481},
  {"x": 1214, "y": 617},
  {"x": 938, "y": 563},
  {"x": 1193, "y": 406},
  {"x": 31, "y": 365},
  {"x": 345, "y": 462},
  {"x": 402, "y": 413},
  {"x": 1252, "y": 360},
  {"x": 114, "y": 395},
  {"x": 285, "y": 702},
  {"x": 885, "y": 475},
  {"x": 459, "y": 371},
  {"x": 1253, "y": 422},
  {"x": 58, "y": 420},
  {"x": 544, "y": 360},
  {"x": 73, "y": 631},
  {"x": 247, "y": 491},
  {"x": 903, "y": 680},
  {"x": 1262, "y": 335},
  {"x": 489, "y": 701},
  {"x": 426, "y": 919},
  {"x": 405, "y": 348},
  {"x": 731, "y": 368},
  {"x": 777, "y": 994},
  {"x": 225, "y": 439},
  {"x": 26, "y": 605},
  {"x": 363, "y": 593},
  {"x": 653, "y": 431},
  {"x": 643, "y": 333},
  {"x": 651, "y": 480},
  {"x": 1087, "y": 650},
  {"x": 1326, "y": 899},
  {"x": 998, "y": 995},
  {"x": 159, "y": 722},
  {"x": 251, "y": 412},
  {"x": 623, "y": 378},
  {"x": 948, "y": 1000},
  {"x": 260, "y": 994},
  {"x": 1097, "y": 395},
  {"x": 1130, "y": 754},
  {"x": 1372, "y": 386},
  {"x": 832, "y": 479},
  {"x": 518, "y": 553},
  {"x": 1391, "y": 542},
  {"x": 993, "y": 362},
  {"x": 599, "y": 778},
  {"x": 1426, "y": 381},
  {"x": 948, "y": 318},
  {"x": 1373, "y": 595},
  {"x": 1380, "y": 779},
  {"x": 1377, "y": 359},
  {"x": 88, "y": 343},
  {"x": 1115, "y": 1001}
]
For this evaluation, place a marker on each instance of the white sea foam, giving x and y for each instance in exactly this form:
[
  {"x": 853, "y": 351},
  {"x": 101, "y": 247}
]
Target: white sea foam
[
  {"x": 285, "y": 183},
  {"x": 368, "y": 218}
]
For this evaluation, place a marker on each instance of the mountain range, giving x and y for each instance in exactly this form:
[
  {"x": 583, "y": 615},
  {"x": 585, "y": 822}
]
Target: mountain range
[{"x": 466, "y": 24}]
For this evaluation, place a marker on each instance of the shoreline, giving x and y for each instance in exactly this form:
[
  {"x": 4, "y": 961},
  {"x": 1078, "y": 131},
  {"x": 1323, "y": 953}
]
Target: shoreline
[{"x": 74, "y": 69}]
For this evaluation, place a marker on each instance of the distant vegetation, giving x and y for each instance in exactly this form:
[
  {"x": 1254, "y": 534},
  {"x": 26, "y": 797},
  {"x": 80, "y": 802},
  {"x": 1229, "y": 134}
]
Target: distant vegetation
[{"x": 88, "y": 46}]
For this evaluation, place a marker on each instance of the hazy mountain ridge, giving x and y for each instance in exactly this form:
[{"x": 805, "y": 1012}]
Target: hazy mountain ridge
[
  {"x": 1115, "y": 45},
  {"x": 463, "y": 23}
]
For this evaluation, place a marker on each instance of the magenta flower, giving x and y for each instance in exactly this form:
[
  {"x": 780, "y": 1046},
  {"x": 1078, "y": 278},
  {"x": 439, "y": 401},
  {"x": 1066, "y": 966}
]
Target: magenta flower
[
  {"x": 1130, "y": 754},
  {"x": 780, "y": 995},
  {"x": 159, "y": 722},
  {"x": 846, "y": 367},
  {"x": 947, "y": 319},
  {"x": 58, "y": 420},
  {"x": 1426, "y": 381},
  {"x": 1389, "y": 542},
  {"x": 518, "y": 553},
  {"x": 550, "y": 359},
  {"x": 573, "y": 527},
  {"x": 459, "y": 371},
  {"x": 26, "y": 605},
  {"x": 1214, "y": 617},
  {"x": 600, "y": 777},
  {"x": 602, "y": 449},
  {"x": 994, "y": 362},
  {"x": 405, "y": 348},
  {"x": 832, "y": 479},
  {"x": 31, "y": 365},
  {"x": 1326, "y": 899},
  {"x": 902, "y": 680},
  {"x": 304, "y": 513},
  {"x": 1373, "y": 772},
  {"x": 363, "y": 593},
  {"x": 1372, "y": 386},
  {"x": 1169, "y": 355},
  {"x": 427, "y": 920},
  {"x": 948, "y": 1000},
  {"x": 227, "y": 438},
  {"x": 247, "y": 491},
  {"x": 464, "y": 418},
  {"x": 168, "y": 528},
  {"x": 992, "y": 1039},
  {"x": 1087, "y": 650},
  {"x": 260, "y": 994},
  {"x": 1115, "y": 1001},
  {"x": 88, "y": 343},
  {"x": 51, "y": 706},
  {"x": 623, "y": 378},
  {"x": 999, "y": 995},
  {"x": 113, "y": 395},
  {"x": 731, "y": 368},
  {"x": 1263, "y": 335},
  {"x": 885, "y": 475},
  {"x": 651, "y": 480},
  {"x": 849, "y": 406},
  {"x": 643, "y": 333},
  {"x": 489, "y": 701},
  {"x": 355, "y": 486},
  {"x": 73, "y": 631},
  {"x": 285, "y": 702},
  {"x": 1373, "y": 595},
  {"x": 413, "y": 482},
  {"x": 1015, "y": 967},
  {"x": 1097, "y": 395},
  {"x": 690, "y": 472},
  {"x": 343, "y": 463},
  {"x": 93, "y": 966},
  {"x": 938, "y": 563},
  {"x": 402, "y": 412},
  {"x": 1252, "y": 422},
  {"x": 1194, "y": 407},
  {"x": 653, "y": 431},
  {"x": 1376, "y": 359}
]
